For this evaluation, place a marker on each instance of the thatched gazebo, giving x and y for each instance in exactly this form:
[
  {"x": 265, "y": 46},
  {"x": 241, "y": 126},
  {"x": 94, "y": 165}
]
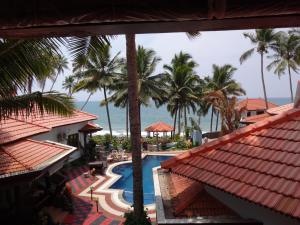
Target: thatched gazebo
[{"x": 159, "y": 127}]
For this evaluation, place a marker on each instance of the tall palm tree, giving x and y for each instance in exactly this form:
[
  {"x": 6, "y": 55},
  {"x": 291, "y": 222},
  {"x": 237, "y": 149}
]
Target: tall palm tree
[
  {"x": 60, "y": 64},
  {"x": 286, "y": 56},
  {"x": 69, "y": 84},
  {"x": 182, "y": 83},
  {"x": 263, "y": 39},
  {"x": 97, "y": 72},
  {"x": 23, "y": 60},
  {"x": 222, "y": 80},
  {"x": 135, "y": 125}
]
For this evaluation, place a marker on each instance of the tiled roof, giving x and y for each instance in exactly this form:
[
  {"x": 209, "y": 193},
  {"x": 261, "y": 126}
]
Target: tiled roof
[
  {"x": 159, "y": 127},
  {"x": 189, "y": 199},
  {"x": 28, "y": 155},
  {"x": 254, "y": 104},
  {"x": 270, "y": 112},
  {"x": 256, "y": 118},
  {"x": 90, "y": 127},
  {"x": 15, "y": 128},
  {"x": 259, "y": 163},
  {"x": 12, "y": 129},
  {"x": 280, "y": 109},
  {"x": 52, "y": 120}
]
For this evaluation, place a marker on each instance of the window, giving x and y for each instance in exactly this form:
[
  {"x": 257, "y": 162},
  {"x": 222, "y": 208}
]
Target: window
[{"x": 73, "y": 140}]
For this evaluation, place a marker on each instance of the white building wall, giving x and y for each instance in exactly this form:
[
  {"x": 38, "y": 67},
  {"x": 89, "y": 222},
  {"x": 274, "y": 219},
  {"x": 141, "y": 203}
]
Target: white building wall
[
  {"x": 250, "y": 210},
  {"x": 67, "y": 130}
]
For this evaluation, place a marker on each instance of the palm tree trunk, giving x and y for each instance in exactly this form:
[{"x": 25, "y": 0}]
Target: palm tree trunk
[
  {"x": 127, "y": 120},
  {"x": 86, "y": 101},
  {"x": 175, "y": 118},
  {"x": 185, "y": 123},
  {"x": 217, "y": 122},
  {"x": 179, "y": 115},
  {"x": 70, "y": 92},
  {"x": 211, "y": 118},
  {"x": 291, "y": 85},
  {"x": 263, "y": 79},
  {"x": 29, "y": 85},
  {"x": 135, "y": 126},
  {"x": 54, "y": 82},
  {"x": 107, "y": 111}
]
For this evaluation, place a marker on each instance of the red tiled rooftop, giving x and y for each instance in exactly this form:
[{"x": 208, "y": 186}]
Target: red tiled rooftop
[
  {"x": 256, "y": 118},
  {"x": 190, "y": 199},
  {"x": 259, "y": 163},
  {"x": 12, "y": 129},
  {"x": 90, "y": 127},
  {"x": 254, "y": 104},
  {"x": 280, "y": 109},
  {"x": 28, "y": 155},
  {"x": 159, "y": 127},
  {"x": 52, "y": 120}
]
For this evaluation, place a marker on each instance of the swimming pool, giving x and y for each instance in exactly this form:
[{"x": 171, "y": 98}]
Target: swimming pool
[{"x": 126, "y": 180}]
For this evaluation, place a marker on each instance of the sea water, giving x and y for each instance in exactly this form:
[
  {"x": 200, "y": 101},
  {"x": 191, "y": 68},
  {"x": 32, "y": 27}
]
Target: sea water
[{"x": 149, "y": 115}]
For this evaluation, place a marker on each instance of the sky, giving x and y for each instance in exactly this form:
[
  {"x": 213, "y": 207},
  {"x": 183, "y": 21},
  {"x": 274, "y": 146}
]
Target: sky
[{"x": 214, "y": 47}]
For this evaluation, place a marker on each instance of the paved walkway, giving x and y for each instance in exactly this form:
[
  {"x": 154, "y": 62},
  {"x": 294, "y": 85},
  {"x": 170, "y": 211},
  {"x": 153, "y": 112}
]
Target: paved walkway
[{"x": 85, "y": 211}]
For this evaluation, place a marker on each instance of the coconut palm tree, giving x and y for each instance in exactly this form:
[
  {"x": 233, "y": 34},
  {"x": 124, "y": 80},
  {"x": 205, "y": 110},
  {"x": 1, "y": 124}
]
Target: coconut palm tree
[
  {"x": 69, "y": 84},
  {"x": 263, "y": 39},
  {"x": 286, "y": 56},
  {"x": 135, "y": 125},
  {"x": 23, "y": 60},
  {"x": 222, "y": 80},
  {"x": 98, "y": 72},
  {"x": 150, "y": 85},
  {"x": 60, "y": 64},
  {"x": 182, "y": 83}
]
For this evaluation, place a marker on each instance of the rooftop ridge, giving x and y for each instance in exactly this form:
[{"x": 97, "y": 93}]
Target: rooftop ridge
[
  {"x": 35, "y": 124},
  {"x": 231, "y": 137}
]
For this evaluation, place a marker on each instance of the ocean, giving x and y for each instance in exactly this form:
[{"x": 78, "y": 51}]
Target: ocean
[{"x": 149, "y": 115}]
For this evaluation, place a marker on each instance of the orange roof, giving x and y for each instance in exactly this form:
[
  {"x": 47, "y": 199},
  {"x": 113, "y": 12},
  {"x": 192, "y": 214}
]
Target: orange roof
[
  {"x": 270, "y": 112},
  {"x": 255, "y": 118},
  {"x": 13, "y": 129},
  {"x": 90, "y": 127},
  {"x": 279, "y": 109},
  {"x": 259, "y": 163},
  {"x": 28, "y": 155},
  {"x": 189, "y": 199},
  {"x": 159, "y": 127},
  {"x": 51, "y": 120},
  {"x": 254, "y": 104}
]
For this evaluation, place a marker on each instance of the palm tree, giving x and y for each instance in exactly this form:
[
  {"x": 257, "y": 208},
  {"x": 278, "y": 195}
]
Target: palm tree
[
  {"x": 286, "y": 56},
  {"x": 60, "y": 64},
  {"x": 69, "y": 84},
  {"x": 182, "y": 83},
  {"x": 263, "y": 39},
  {"x": 21, "y": 61},
  {"x": 135, "y": 125},
  {"x": 98, "y": 72},
  {"x": 222, "y": 80}
]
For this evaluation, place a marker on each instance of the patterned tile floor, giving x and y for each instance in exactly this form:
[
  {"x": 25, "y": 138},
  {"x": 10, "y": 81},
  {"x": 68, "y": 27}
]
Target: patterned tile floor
[{"x": 85, "y": 211}]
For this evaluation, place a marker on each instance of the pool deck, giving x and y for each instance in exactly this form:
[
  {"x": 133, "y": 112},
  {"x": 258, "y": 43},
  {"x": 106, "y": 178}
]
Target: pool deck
[{"x": 111, "y": 204}]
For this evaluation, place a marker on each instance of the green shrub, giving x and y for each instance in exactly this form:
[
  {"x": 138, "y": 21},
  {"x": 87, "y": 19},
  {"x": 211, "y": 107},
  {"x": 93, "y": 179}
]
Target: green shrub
[{"x": 130, "y": 219}]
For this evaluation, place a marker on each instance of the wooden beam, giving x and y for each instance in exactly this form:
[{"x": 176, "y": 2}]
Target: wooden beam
[{"x": 154, "y": 27}]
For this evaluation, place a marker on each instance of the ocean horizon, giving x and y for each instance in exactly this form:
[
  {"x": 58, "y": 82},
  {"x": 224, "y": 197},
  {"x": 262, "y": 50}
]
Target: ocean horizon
[{"x": 149, "y": 115}]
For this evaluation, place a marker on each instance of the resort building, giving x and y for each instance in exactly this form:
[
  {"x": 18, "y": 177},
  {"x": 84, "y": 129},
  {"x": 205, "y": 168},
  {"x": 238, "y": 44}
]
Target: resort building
[
  {"x": 251, "y": 174},
  {"x": 270, "y": 112},
  {"x": 254, "y": 106},
  {"x": 32, "y": 151}
]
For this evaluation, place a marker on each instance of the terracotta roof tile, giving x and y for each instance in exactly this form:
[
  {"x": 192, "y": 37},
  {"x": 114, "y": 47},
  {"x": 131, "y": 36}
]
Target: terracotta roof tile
[
  {"x": 159, "y": 127},
  {"x": 254, "y": 104},
  {"x": 15, "y": 128},
  {"x": 28, "y": 155},
  {"x": 260, "y": 163}
]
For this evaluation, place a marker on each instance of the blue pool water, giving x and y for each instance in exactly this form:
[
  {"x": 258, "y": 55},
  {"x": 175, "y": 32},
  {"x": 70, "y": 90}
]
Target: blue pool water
[{"x": 126, "y": 181}]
